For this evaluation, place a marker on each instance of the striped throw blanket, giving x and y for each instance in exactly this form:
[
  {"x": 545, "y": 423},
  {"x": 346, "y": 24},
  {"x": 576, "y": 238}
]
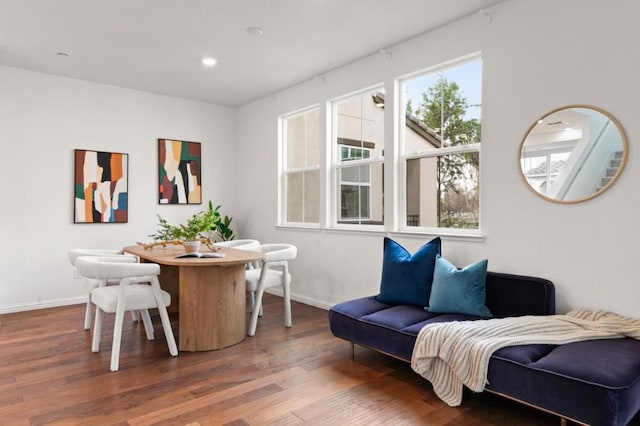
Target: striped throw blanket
[{"x": 454, "y": 354}]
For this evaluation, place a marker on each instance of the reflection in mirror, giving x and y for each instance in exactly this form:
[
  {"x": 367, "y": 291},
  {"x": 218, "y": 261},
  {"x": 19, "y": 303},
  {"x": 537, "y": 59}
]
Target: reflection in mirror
[{"x": 573, "y": 153}]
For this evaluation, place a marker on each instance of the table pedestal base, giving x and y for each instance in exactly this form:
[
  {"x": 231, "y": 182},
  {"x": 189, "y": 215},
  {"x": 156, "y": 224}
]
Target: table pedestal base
[{"x": 212, "y": 307}]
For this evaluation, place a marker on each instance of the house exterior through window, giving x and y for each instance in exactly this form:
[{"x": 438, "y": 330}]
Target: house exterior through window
[
  {"x": 358, "y": 146},
  {"x": 436, "y": 172}
]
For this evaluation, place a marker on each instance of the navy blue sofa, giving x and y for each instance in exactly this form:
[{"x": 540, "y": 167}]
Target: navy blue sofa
[{"x": 593, "y": 382}]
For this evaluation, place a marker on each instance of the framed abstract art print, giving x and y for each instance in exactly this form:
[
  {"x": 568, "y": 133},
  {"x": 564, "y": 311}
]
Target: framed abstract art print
[
  {"x": 179, "y": 172},
  {"x": 101, "y": 193}
]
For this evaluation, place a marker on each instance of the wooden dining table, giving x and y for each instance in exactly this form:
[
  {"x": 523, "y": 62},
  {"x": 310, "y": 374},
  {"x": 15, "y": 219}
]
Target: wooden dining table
[{"x": 209, "y": 294}]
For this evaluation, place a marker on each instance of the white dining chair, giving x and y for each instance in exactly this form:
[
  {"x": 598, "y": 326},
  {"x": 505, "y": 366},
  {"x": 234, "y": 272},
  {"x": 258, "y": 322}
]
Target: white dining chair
[
  {"x": 89, "y": 283},
  {"x": 138, "y": 290},
  {"x": 242, "y": 244},
  {"x": 273, "y": 272}
]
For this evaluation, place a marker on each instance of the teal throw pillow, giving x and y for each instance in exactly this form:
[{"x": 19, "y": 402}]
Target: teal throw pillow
[
  {"x": 406, "y": 278},
  {"x": 459, "y": 291}
]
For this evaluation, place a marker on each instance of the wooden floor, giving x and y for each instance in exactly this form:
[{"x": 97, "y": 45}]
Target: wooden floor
[{"x": 48, "y": 375}]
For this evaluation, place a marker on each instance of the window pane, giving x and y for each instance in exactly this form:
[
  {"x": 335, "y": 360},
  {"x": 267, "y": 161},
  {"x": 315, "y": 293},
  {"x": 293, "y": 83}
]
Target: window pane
[
  {"x": 350, "y": 201},
  {"x": 302, "y": 136},
  {"x": 296, "y": 141},
  {"x": 360, "y": 190},
  {"x": 344, "y": 153},
  {"x": 356, "y": 174},
  {"x": 312, "y": 197},
  {"x": 359, "y": 136},
  {"x": 360, "y": 124},
  {"x": 301, "y": 139},
  {"x": 443, "y": 191},
  {"x": 303, "y": 197},
  {"x": 295, "y": 208},
  {"x": 442, "y": 109},
  {"x": 313, "y": 138}
]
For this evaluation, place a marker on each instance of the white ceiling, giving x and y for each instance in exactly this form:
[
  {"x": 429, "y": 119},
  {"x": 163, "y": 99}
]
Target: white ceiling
[{"x": 157, "y": 45}]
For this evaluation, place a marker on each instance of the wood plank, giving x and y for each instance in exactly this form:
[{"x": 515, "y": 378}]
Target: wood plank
[
  {"x": 207, "y": 318},
  {"x": 169, "y": 279}
]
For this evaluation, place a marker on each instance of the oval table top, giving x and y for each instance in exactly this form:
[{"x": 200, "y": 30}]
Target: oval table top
[{"x": 167, "y": 256}]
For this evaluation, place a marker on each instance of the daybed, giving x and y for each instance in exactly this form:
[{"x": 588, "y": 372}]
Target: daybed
[{"x": 591, "y": 382}]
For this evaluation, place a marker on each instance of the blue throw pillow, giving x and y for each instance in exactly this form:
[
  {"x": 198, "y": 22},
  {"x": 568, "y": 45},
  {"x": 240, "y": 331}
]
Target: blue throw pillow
[
  {"x": 459, "y": 291},
  {"x": 406, "y": 278}
]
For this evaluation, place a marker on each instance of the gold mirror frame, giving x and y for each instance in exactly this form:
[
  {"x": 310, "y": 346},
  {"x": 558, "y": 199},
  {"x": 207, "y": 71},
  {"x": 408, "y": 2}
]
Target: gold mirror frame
[{"x": 583, "y": 154}]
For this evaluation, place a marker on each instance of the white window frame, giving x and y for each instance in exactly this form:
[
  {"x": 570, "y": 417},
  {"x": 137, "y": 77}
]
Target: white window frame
[
  {"x": 359, "y": 184},
  {"x": 337, "y": 164},
  {"x": 404, "y": 156},
  {"x": 285, "y": 172}
]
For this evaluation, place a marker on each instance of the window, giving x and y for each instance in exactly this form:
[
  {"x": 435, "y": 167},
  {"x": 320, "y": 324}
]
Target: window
[
  {"x": 435, "y": 163},
  {"x": 358, "y": 142},
  {"x": 440, "y": 147},
  {"x": 542, "y": 169},
  {"x": 301, "y": 167}
]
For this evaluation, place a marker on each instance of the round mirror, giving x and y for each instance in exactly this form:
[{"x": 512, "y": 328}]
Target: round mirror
[{"x": 573, "y": 153}]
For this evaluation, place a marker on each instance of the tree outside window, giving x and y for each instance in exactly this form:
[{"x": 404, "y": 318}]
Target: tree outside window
[{"x": 442, "y": 147}]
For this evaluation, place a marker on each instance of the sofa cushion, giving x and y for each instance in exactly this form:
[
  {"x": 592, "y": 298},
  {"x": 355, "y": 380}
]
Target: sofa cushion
[
  {"x": 459, "y": 291},
  {"x": 406, "y": 279},
  {"x": 595, "y": 381},
  {"x": 510, "y": 295},
  {"x": 391, "y": 329}
]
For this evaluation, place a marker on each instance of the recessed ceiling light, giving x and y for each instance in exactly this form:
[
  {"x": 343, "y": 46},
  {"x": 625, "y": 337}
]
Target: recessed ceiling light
[
  {"x": 255, "y": 31},
  {"x": 209, "y": 61}
]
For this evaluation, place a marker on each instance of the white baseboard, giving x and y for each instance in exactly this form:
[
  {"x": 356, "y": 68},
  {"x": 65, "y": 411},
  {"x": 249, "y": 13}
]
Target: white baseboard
[
  {"x": 53, "y": 303},
  {"x": 322, "y": 304}
]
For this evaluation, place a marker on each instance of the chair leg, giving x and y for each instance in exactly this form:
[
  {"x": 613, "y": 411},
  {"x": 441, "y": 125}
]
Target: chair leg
[
  {"x": 287, "y": 303},
  {"x": 164, "y": 317},
  {"x": 148, "y": 325},
  {"x": 252, "y": 294},
  {"x": 253, "y": 322},
  {"x": 135, "y": 316},
  {"x": 97, "y": 331},
  {"x": 168, "y": 332},
  {"x": 117, "y": 337},
  {"x": 88, "y": 313}
]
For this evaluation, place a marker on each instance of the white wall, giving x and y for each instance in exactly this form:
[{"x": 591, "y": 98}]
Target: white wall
[
  {"x": 537, "y": 56},
  {"x": 43, "y": 118}
]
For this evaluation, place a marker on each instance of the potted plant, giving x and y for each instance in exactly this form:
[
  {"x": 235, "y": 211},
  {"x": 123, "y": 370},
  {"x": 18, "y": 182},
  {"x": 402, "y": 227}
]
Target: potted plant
[
  {"x": 203, "y": 226},
  {"x": 221, "y": 228}
]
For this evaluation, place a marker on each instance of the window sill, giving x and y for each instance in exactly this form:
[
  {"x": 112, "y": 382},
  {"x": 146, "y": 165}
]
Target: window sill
[
  {"x": 447, "y": 234},
  {"x": 444, "y": 233},
  {"x": 300, "y": 226}
]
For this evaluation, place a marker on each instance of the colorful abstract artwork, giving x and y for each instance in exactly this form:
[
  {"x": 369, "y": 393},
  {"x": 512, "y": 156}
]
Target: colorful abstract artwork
[
  {"x": 100, "y": 187},
  {"x": 179, "y": 164}
]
